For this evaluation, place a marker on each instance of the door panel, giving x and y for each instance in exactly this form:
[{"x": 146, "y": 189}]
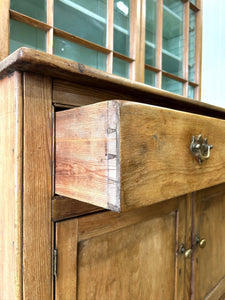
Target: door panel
[
  {"x": 209, "y": 263},
  {"x": 131, "y": 255}
]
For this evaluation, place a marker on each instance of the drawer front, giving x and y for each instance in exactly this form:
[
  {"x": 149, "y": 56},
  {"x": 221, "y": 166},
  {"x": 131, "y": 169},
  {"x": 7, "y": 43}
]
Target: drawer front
[{"x": 121, "y": 155}]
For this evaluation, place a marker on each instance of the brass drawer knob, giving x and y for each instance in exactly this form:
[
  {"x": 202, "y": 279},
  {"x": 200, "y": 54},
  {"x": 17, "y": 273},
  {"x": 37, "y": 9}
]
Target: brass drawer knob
[{"x": 200, "y": 149}]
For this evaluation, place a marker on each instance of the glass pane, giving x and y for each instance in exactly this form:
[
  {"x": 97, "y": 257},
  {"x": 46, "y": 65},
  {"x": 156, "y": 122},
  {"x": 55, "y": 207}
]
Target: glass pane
[
  {"x": 122, "y": 27},
  {"x": 32, "y": 8},
  {"x": 172, "y": 85},
  {"x": 193, "y": 1},
  {"x": 191, "y": 92},
  {"x": 192, "y": 46},
  {"x": 150, "y": 78},
  {"x": 79, "y": 53},
  {"x": 173, "y": 37},
  {"x": 150, "y": 33},
  {"x": 83, "y": 18},
  {"x": 120, "y": 67},
  {"x": 23, "y": 35}
]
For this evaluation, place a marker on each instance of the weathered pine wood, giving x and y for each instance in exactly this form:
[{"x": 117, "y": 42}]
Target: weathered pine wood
[
  {"x": 218, "y": 292},
  {"x": 112, "y": 154},
  {"x": 64, "y": 208},
  {"x": 4, "y": 28},
  {"x": 98, "y": 224},
  {"x": 28, "y": 20},
  {"x": 98, "y": 178},
  {"x": 35, "y": 61},
  {"x": 66, "y": 93},
  {"x": 134, "y": 262},
  {"x": 66, "y": 245},
  {"x": 37, "y": 239},
  {"x": 209, "y": 223},
  {"x": 159, "y": 44},
  {"x": 11, "y": 121},
  {"x": 184, "y": 229}
]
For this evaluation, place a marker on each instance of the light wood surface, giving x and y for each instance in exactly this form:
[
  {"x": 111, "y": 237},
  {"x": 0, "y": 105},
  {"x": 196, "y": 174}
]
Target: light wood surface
[
  {"x": 184, "y": 230},
  {"x": 28, "y": 20},
  {"x": 37, "y": 239},
  {"x": 105, "y": 222},
  {"x": 209, "y": 265},
  {"x": 66, "y": 245},
  {"x": 65, "y": 208},
  {"x": 4, "y": 28},
  {"x": 113, "y": 153},
  {"x": 84, "y": 166},
  {"x": 11, "y": 187},
  {"x": 25, "y": 59},
  {"x": 134, "y": 262},
  {"x": 159, "y": 42}
]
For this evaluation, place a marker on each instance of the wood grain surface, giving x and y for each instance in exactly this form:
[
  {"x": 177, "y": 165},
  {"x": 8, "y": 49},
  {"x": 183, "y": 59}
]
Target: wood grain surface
[
  {"x": 4, "y": 28},
  {"x": 209, "y": 265},
  {"x": 86, "y": 158},
  {"x": 31, "y": 60},
  {"x": 37, "y": 239},
  {"x": 134, "y": 262},
  {"x": 65, "y": 208},
  {"x": 11, "y": 122},
  {"x": 66, "y": 245},
  {"x": 121, "y": 155}
]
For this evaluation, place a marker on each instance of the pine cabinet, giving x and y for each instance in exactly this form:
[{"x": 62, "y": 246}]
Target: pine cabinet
[{"x": 163, "y": 242}]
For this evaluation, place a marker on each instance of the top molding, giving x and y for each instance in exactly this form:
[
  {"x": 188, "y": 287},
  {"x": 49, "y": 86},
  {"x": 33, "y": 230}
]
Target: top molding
[{"x": 30, "y": 60}]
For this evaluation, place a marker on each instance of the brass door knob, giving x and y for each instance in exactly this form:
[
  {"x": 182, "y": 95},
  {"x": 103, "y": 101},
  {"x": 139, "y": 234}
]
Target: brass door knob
[
  {"x": 188, "y": 253},
  {"x": 202, "y": 243}
]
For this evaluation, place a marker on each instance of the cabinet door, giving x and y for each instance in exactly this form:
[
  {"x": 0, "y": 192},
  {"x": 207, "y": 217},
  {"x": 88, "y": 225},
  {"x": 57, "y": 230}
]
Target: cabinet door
[
  {"x": 209, "y": 262},
  {"x": 132, "y": 255}
]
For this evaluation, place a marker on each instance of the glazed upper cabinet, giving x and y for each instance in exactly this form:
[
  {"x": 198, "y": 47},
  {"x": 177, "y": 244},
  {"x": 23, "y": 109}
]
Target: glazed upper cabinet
[{"x": 157, "y": 42}]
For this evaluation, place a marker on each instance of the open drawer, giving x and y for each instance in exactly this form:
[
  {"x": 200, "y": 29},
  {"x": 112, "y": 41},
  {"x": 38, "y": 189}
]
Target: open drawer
[{"x": 121, "y": 155}]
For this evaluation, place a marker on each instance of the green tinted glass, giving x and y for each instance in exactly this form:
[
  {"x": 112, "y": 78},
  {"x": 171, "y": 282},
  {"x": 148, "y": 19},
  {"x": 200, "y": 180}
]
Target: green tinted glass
[
  {"x": 150, "y": 32},
  {"x": 193, "y": 1},
  {"x": 23, "y": 35},
  {"x": 120, "y": 67},
  {"x": 122, "y": 26},
  {"x": 83, "y": 18},
  {"x": 79, "y": 53},
  {"x": 32, "y": 8},
  {"x": 191, "y": 92},
  {"x": 172, "y": 85},
  {"x": 150, "y": 78},
  {"x": 173, "y": 37},
  {"x": 192, "y": 34}
]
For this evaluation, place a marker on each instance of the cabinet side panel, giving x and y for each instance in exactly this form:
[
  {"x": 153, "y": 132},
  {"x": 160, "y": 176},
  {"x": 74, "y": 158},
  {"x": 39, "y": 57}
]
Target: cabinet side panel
[
  {"x": 66, "y": 244},
  {"x": 37, "y": 187},
  {"x": 82, "y": 154},
  {"x": 10, "y": 186}
]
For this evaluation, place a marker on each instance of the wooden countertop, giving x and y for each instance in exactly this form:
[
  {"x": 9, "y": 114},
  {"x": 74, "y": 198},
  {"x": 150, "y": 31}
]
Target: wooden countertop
[{"x": 30, "y": 60}]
